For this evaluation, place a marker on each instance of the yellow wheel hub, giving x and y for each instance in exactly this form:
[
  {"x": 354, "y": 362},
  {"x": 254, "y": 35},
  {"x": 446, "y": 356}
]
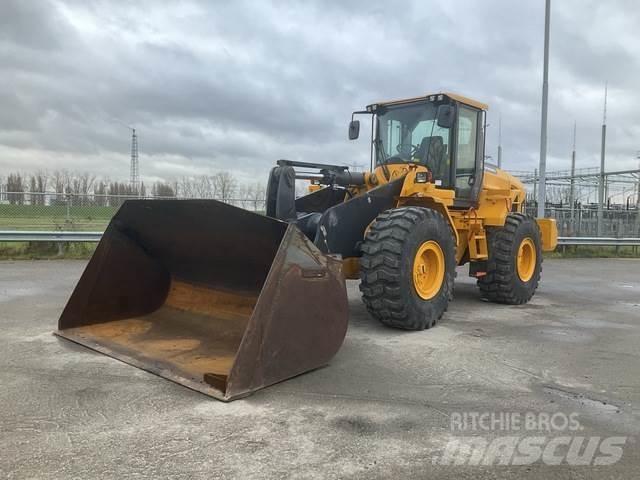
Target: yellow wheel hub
[
  {"x": 428, "y": 270},
  {"x": 526, "y": 259}
]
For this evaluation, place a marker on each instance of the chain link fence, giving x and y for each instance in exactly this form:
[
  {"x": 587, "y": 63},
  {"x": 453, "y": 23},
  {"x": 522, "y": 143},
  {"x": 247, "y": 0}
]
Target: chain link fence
[
  {"x": 75, "y": 212},
  {"x": 583, "y": 222}
]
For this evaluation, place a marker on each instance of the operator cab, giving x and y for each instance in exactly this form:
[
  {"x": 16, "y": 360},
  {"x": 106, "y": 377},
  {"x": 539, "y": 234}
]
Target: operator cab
[{"x": 444, "y": 132}]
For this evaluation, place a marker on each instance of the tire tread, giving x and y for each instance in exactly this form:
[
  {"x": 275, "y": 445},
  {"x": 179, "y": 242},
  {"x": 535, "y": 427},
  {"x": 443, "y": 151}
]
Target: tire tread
[
  {"x": 498, "y": 283},
  {"x": 381, "y": 267}
]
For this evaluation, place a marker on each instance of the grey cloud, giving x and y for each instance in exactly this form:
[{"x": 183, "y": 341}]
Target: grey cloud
[
  {"x": 32, "y": 24},
  {"x": 236, "y": 85}
]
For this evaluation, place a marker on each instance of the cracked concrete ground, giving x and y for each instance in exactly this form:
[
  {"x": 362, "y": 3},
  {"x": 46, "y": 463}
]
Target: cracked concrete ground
[{"x": 382, "y": 408}]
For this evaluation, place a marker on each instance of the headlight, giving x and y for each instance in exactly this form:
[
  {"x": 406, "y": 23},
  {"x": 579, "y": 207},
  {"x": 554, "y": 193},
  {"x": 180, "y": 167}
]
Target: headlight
[{"x": 422, "y": 177}]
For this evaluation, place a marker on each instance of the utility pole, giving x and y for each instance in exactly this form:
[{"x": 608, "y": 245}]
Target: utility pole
[
  {"x": 572, "y": 191},
  {"x": 543, "y": 121},
  {"x": 535, "y": 183},
  {"x": 500, "y": 142},
  {"x": 601, "y": 192}
]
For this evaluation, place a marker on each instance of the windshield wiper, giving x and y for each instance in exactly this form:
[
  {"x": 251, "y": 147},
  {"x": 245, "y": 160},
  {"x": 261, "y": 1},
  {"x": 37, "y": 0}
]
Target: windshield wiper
[
  {"x": 380, "y": 149},
  {"x": 383, "y": 164}
]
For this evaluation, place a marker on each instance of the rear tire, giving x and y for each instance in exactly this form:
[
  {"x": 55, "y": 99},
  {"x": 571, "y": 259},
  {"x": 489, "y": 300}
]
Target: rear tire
[
  {"x": 407, "y": 268},
  {"x": 515, "y": 261}
]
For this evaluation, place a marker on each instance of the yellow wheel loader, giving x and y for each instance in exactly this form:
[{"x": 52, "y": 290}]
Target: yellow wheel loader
[{"x": 226, "y": 301}]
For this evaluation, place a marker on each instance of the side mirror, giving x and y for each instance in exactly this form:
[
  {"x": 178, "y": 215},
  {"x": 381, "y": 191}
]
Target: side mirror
[
  {"x": 446, "y": 116},
  {"x": 354, "y": 129}
]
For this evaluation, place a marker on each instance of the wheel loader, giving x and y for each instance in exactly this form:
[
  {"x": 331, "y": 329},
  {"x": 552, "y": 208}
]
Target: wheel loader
[{"x": 227, "y": 301}]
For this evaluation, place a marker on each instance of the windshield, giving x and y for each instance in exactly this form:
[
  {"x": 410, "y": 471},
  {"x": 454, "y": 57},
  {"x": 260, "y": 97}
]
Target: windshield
[{"x": 410, "y": 133}]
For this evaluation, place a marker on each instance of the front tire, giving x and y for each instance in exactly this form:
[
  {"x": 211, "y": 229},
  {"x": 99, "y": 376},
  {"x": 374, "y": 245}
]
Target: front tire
[
  {"x": 514, "y": 266},
  {"x": 407, "y": 268}
]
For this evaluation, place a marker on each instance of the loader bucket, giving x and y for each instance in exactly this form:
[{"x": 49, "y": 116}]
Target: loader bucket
[{"x": 216, "y": 298}]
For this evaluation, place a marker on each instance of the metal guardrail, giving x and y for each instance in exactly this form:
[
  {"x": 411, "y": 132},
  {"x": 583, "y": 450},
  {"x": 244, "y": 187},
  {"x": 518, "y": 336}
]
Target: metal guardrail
[
  {"x": 60, "y": 236},
  {"x": 599, "y": 241},
  {"x": 48, "y": 236}
]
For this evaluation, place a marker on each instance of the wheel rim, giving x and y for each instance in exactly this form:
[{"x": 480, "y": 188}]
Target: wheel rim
[
  {"x": 428, "y": 270},
  {"x": 526, "y": 260}
]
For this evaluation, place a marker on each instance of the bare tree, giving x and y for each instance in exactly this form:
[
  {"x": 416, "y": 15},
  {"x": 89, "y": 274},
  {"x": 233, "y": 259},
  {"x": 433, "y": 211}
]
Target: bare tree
[
  {"x": 225, "y": 186},
  {"x": 33, "y": 198},
  {"x": 58, "y": 184},
  {"x": 203, "y": 187},
  {"x": 244, "y": 195},
  {"x": 15, "y": 189},
  {"x": 67, "y": 180},
  {"x": 161, "y": 189},
  {"x": 87, "y": 181},
  {"x": 185, "y": 189},
  {"x": 100, "y": 192},
  {"x": 86, "y": 189},
  {"x": 38, "y": 186},
  {"x": 258, "y": 195},
  {"x": 42, "y": 180},
  {"x": 83, "y": 186}
]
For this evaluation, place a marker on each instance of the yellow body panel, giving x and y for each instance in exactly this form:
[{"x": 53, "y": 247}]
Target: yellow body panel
[
  {"x": 548, "y": 233},
  {"x": 459, "y": 98},
  {"x": 351, "y": 268},
  {"x": 501, "y": 194},
  {"x": 467, "y": 101}
]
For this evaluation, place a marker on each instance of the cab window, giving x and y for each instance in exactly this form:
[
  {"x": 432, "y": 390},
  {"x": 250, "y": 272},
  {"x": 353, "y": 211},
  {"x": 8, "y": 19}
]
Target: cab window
[{"x": 466, "y": 149}]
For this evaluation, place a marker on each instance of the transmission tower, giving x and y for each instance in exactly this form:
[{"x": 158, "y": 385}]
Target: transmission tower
[
  {"x": 134, "y": 178},
  {"x": 134, "y": 169},
  {"x": 638, "y": 187}
]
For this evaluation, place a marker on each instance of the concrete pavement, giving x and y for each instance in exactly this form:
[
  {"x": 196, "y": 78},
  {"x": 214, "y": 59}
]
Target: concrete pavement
[{"x": 383, "y": 408}]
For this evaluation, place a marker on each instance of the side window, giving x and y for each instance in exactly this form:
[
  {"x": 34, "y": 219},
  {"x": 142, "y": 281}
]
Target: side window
[
  {"x": 467, "y": 137},
  {"x": 466, "y": 149}
]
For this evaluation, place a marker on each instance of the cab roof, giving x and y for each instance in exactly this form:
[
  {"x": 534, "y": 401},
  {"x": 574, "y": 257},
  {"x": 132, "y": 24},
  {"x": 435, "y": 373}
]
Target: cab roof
[{"x": 453, "y": 96}]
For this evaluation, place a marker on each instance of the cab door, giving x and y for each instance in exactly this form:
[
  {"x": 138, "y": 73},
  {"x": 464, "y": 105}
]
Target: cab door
[
  {"x": 469, "y": 150},
  {"x": 469, "y": 155}
]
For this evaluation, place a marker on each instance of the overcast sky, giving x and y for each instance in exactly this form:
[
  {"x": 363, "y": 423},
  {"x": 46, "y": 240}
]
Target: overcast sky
[{"x": 236, "y": 85}]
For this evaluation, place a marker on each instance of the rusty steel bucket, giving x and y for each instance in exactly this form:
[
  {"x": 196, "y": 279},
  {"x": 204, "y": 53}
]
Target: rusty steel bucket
[{"x": 216, "y": 298}]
